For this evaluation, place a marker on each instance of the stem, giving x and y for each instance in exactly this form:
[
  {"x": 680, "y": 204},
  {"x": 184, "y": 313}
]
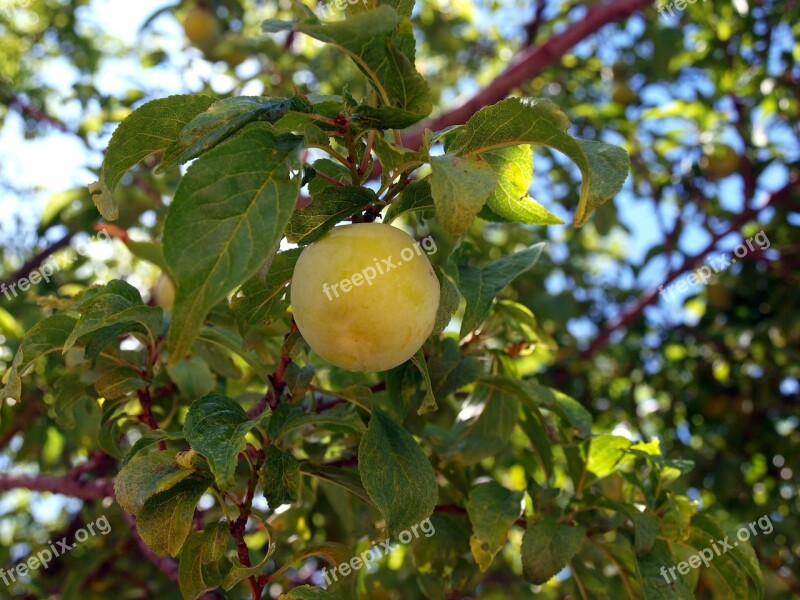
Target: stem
[
  {"x": 330, "y": 180},
  {"x": 365, "y": 161},
  {"x": 332, "y": 152}
]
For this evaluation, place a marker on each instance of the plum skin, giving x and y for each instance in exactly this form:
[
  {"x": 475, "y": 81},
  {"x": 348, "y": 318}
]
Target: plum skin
[{"x": 365, "y": 296}]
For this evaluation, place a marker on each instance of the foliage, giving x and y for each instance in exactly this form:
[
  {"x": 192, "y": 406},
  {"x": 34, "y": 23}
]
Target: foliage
[{"x": 240, "y": 460}]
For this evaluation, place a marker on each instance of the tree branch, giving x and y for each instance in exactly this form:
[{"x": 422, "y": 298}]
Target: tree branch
[
  {"x": 38, "y": 260},
  {"x": 85, "y": 490},
  {"x": 689, "y": 263},
  {"x": 529, "y": 63}
]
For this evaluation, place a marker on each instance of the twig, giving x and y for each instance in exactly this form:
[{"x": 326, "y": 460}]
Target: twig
[
  {"x": 529, "y": 64},
  {"x": 84, "y": 490},
  {"x": 690, "y": 263}
]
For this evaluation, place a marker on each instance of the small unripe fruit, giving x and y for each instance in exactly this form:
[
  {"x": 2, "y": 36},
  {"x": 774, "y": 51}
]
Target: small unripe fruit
[
  {"x": 164, "y": 292},
  {"x": 365, "y": 296},
  {"x": 622, "y": 93},
  {"x": 720, "y": 161},
  {"x": 200, "y": 26}
]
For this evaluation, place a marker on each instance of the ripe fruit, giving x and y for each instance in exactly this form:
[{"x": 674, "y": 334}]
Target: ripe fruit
[
  {"x": 365, "y": 296},
  {"x": 621, "y": 93},
  {"x": 164, "y": 292},
  {"x": 200, "y": 26},
  {"x": 720, "y": 161}
]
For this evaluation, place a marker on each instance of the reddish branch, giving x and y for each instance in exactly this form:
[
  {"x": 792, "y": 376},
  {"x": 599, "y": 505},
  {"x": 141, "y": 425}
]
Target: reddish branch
[
  {"x": 38, "y": 260},
  {"x": 528, "y": 64},
  {"x": 84, "y": 490},
  {"x": 632, "y": 315}
]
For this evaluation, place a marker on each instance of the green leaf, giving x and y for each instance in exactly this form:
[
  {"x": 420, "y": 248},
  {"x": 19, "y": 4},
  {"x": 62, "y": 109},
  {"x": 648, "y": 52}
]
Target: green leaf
[
  {"x": 394, "y": 159},
  {"x": 216, "y": 427},
  {"x": 288, "y": 418},
  {"x": 607, "y": 453},
  {"x": 645, "y": 523},
  {"x": 370, "y": 40},
  {"x": 199, "y": 570},
  {"x": 441, "y": 544},
  {"x": 307, "y": 592},
  {"x": 281, "y": 477},
  {"x": 118, "y": 382},
  {"x": 460, "y": 187},
  {"x": 144, "y": 476},
  {"x": 48, "y": 335},
  {"x": 260, "y": 298},
  {"x": 429, "y": 401},
  {"x": 493, "y": 416},
  {"x": 329, "y": 206},
  {"x": 114, "y": 304},
  {"x": 656, "y": 587},
  {"x": 69, "y": 390},
  {"x": 416, "y": 197},
  {"x": 150, "y": 128},
  {"x": 450, "y": 370},
  {"x": 332, "y": 552},
  {"x": 192, "y": 376},
  {"x": 492, "y": 510},
  {"x": 449, "y": 300},
  {"x": 220, "y": 121},
  {"x": 538, "y": 121},
  {"x": 341, "y": 477},
  {"x": 732, "y": 565},
  {"x": 227, "y": 218},
  {"x": 220, "y": 338},
  {"x": 533, "y": 395},
  {"x": 547, "y": 547},
  {"x": 166, "y": 518},
  {"x": 396, "y": 473},
  {"x": 480, "y": 286},
  {"x": 510, "y": 201}
]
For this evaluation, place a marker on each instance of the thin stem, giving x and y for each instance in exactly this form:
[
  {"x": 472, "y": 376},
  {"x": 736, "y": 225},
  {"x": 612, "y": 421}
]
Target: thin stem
[
  {"x": 330, "y": 180},
  {"x": 365, "y": 161},
  {"x": 332, "y": 152}
]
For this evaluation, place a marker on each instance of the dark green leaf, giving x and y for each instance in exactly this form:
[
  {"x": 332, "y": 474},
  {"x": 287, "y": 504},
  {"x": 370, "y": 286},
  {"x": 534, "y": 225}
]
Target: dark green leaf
[
  {"x": 145, "y": 475},
  {"x": 199, "y": 570},
  {"x": 396, "y": 473},
  {"x": 150, "y": 128},
  {"x": 492, "y": 510},
  {"x": 281, "y": 477},
  {"x": 228, "y": 216},
  {"x": 480, "y": 286},
  {"x": 329, "y": 206},
  {"x": 166, "y": 518},
  {"x": 547, "y": 547},
  {"x": 216, "y": 427},
  {"x": 220, "y": 121}
]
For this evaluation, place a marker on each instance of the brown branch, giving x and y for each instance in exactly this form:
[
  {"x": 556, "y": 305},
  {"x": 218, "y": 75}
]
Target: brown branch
[
  {"x": 84, "y": 490},
  {"x": 633, "y": 314},
  {"x": 528, "y": 64},
  {"x": 37, "y": 261}
]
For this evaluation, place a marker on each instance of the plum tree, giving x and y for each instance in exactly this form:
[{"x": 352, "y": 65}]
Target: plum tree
[{"x": 365, "y": 296}]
